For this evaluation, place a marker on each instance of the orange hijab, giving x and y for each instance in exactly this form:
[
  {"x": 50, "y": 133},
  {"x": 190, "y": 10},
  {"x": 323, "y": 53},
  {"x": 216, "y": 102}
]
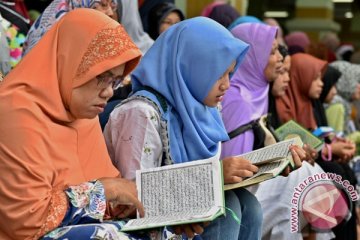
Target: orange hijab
[
  {"x": 43, "y": 149},
  {"x": 297, "y": 104}
]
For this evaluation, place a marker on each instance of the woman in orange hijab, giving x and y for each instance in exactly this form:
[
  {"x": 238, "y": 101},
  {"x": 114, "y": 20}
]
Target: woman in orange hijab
[{"x": 56, "y": 175}]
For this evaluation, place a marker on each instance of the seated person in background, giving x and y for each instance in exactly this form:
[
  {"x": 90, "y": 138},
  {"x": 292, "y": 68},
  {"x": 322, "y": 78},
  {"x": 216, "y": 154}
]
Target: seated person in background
[
  {"x": 56, "y": 10},
  {"x": 161, "y": 17},
  {"x": 57, "y": 178},
  {"x": 221, "y": 12},
  {"x": 127, "y": 14},
  {"x": 306, "y": 86}
]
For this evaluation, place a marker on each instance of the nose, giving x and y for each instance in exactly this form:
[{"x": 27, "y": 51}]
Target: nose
[
  {"x": 225, "y": 85},
  {"x": 107, "y": 92},
  {"x": 109, "y": 11}
]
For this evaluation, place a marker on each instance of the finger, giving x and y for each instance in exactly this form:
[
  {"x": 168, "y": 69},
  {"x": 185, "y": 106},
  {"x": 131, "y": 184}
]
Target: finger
[
  {"x": 197, "y": 228},
  {"x": 243, "y": 173},
  {"x": 177, "y": 230},
  {"x": 137, "y": 204},
  {"x": 296, "y": 159},
  {"x": 127, "y": 211},
  {"x": 233, "y": 179},
  {"x": 286, "y": 172},
  {"x": 188, "y": 231}
]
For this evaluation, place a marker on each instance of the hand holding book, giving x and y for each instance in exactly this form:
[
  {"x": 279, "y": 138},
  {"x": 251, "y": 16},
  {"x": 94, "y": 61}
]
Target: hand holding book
[
  {"x": 271, "y": 161},
  {"x": 236, "y": 169}
]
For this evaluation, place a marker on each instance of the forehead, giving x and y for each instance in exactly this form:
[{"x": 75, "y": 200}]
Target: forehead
[{"x": 173, "y": 15}]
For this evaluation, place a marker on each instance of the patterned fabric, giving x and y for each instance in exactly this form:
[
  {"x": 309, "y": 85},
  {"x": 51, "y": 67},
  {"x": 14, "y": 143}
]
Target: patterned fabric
[
  {"x": 83, "y": 219},
  {"x": 4, "y": 50},
  {"x": 111, "y": 38},
  {"x": 350, "y": 78},
  {"x": 56, "y": 10},
  {"x": 15, "y": 40}
]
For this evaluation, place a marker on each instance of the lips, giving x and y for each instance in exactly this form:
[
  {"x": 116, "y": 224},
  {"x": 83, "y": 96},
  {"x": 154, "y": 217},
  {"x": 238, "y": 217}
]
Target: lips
[
  {"x": 219, "y": 98},
  {"x": 100, "y": 107}
]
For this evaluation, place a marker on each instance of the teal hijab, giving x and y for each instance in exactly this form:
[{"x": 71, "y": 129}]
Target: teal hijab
[{"x": 183, "y": 65}]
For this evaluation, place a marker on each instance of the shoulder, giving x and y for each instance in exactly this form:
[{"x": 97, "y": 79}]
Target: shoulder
[{"x": 135, "y": 108}]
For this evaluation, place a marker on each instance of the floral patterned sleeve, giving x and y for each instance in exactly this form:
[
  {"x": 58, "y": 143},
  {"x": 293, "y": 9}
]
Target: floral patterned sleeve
[{"x": 87, "y": 203}]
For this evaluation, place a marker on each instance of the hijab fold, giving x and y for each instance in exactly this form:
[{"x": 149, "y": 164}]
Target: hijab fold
[
  {"x": 43, "y": 148},
  {"x": 183, "y": 65}
]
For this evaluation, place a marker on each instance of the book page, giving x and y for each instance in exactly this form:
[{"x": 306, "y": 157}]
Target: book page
[
  {"x": 180, "y": 193},
  {"x": 270, "y": 153}
]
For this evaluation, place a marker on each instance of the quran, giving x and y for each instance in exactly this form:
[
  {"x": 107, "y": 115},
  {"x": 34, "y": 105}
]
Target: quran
[
  {"x": 270, "y": 160},
  {"x": 179, "y": 194},
  {"x": 292, "y": 128}
]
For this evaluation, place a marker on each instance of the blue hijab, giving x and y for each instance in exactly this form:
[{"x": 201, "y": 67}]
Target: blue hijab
[
  {"x": 183, "y": 65},
  {"x": 244, "y": 19}
]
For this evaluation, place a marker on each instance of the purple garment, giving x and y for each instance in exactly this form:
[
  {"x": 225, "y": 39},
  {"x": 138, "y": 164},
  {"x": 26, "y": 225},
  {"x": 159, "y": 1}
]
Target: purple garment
[{"x": 247, "y": 98}]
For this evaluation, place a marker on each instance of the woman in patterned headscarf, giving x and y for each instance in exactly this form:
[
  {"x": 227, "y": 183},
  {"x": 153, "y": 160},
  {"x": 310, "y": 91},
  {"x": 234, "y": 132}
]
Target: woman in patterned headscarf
[
  {"x": 56, "y": 10},
  {"x": 56, "y": 175},
  {"x": 348, "y": 87}
]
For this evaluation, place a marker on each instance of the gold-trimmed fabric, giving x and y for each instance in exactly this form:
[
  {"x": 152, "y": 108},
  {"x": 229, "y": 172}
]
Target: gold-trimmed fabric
[{"x": 106, "y": 44}]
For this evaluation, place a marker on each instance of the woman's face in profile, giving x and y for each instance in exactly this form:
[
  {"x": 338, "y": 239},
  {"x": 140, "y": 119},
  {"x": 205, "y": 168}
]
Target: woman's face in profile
[
  {"x": 171, "y": 19},
  {"x": 107, "y": 7},
  {"x": 273, "y": 68},
  {"x": 316, "y": 87},
  {"x": 90, "y": 99},
  {"x": 281, "y": 83}
]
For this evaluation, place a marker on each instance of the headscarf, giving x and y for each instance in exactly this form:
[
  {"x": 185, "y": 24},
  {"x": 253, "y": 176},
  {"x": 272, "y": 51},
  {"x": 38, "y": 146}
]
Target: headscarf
[
  {"x": 130, "y": 20},
  {"x": 183, "y": 65},
  {"x": 43, "y": 148},
  {"x": 56, "y": 10},
  {"x": 144, "y": 10},
  {"x": 297, "y": 104},
  {"x": 280, "y": 35},
  {"x": 350, "y": 78},
  {"x": 330, "y": 78},
  {"x": 158, "y": 14},
  {"x": 244, "y": 19},
  {"x": 209, "y": 8},
  {"x": 273, "y": 117},
  {"x": 224, "y": 14},
  {"x": 247, "y": 98},
  {"x": 297, "y": 38},
  {"x": 344, "y": 52}
]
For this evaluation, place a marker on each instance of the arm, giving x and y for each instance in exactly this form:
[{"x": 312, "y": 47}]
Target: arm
[{"x": 132, "y": 136}]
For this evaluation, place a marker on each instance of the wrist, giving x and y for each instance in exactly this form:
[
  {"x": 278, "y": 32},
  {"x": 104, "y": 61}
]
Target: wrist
[{"x": 326, "y": 152}]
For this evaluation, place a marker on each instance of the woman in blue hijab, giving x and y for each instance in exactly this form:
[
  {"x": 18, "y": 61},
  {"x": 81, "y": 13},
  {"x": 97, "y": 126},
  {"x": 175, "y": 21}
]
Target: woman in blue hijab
[{"x": 172, "y": 117}]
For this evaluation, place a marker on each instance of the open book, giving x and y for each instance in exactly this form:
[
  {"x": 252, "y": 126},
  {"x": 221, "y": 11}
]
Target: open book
[
  {"x": 179, "y": 194},
  {"x": 292, "y": 128},
  {"x": 270, "y": 160}
]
